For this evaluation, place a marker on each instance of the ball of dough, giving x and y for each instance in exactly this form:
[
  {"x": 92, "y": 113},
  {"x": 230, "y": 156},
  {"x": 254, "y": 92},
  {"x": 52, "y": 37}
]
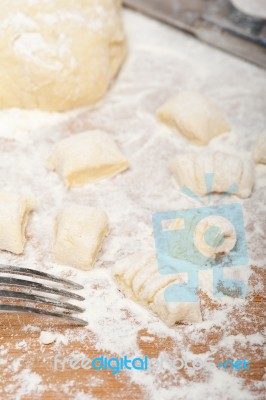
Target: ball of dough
[{"x": 57, "y": 55}]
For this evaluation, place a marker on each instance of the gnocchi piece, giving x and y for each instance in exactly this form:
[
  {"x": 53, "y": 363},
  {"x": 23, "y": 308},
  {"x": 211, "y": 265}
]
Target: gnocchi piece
[
  {"x": 139, "y": 278},
  {"x": 194, "y": 115},
  {"x": 86, "y": 157},
  {"x": 189, "y": 169},
  {"x": 14, "y": 212},
  {"x": 260, "y": 149},
  {"x": 78, "y": 236}
]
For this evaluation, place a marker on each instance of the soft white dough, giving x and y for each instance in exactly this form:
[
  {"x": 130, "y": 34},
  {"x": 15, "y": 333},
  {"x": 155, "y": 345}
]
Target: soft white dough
[
  {"x": 79, "y": 234},
  {"x": 190, "y": 168},
  {"x": 202, "y": 164},
  {"x": 260, "y": 149},
  {"x": 173, "y": 312},
  {"x": 227, "y": 169},
  {"x": 58, "y": 55},
  {"x": 47, "y": 337},
  {"x": 14, "y": 211},
  {"x": 139, "y": 278},
  {"x": 87, "y": 157},
  {"x": 194, "y": 115}
]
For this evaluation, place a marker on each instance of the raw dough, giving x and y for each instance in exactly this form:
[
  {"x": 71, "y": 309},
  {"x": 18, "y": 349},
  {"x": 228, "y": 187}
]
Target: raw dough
[
  {"x": 189, "y": 169},
  {"x": 79, "y": 234},
  {"x": 14, "y": 211},
  {"x": 254, "y": 8},
  {"x": 195, "y": 116},
  {"x": 87, "y": 157},
  {"x": 57, "y": 55},
  {"x": 260, "y": 150},
  {"x": 139, "y": 278},
  {"x": 47, "y": 337}
]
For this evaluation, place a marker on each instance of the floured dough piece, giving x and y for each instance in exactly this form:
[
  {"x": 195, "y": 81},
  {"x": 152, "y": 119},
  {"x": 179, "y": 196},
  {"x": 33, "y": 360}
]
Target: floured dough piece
[
  {"x": 58, "y": 55},
  {"x": 79, "y": 234},
  {"x": 195, "y": 116},
  {"x": 47, "y": 337},
  {"x": 14, "y": 211},
  {"x": 139, "y": 278},
  {"x": 86, "y": 157},
  {"x": 189, "y": 169},
  {"x": 260, "y": 150}
]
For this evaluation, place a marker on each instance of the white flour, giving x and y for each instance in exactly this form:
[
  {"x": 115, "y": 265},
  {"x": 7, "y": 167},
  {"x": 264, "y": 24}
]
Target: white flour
[{"x": 161, "y": 61}]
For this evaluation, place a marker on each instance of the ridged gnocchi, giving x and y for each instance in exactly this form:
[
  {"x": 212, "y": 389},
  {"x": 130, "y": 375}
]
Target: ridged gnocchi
[
  {"x": 260, "y": 149},
  {"x": 139, "y": 278},
  {"x": 78, "y": 236},
  {"x": 228, "y": 171}
]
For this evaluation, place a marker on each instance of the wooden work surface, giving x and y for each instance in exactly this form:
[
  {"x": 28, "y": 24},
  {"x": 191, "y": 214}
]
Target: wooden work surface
[{"x": 104, "y": 385}]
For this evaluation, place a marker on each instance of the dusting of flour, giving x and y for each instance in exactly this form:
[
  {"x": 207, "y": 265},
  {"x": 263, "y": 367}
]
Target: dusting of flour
[{"x": 161, "y": 62}]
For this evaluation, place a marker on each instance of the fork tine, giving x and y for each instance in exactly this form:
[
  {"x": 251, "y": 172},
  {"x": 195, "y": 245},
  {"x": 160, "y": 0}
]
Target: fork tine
[
  {"x": 38, "y": 286},
  {"x": 10, "y": 269},
  {"x": 39, "y": 299},
  {"x": 22, "y": 309}
]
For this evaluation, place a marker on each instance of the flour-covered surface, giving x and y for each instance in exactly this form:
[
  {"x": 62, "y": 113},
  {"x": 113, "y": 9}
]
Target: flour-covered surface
[{"x": 161, "y": 61}]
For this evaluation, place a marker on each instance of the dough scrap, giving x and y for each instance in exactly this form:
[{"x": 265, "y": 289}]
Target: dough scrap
[
  {"x": 14, "y": 212},
  {"x": 260, "y": 149},
  {"x": 78, "y": 236},
  {"x": 86, "y": 158},
  {"x": 47, "y": 337},
  {"x": 189, "y": 169},
  {"x": 139, "y": 278},
  {"x": 58, "y": 55},
  {"x": 194, "y": 115}
]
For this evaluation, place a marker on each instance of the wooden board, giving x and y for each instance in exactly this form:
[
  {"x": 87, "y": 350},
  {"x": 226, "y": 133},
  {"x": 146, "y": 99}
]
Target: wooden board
[{"x": 103, "y": 384}]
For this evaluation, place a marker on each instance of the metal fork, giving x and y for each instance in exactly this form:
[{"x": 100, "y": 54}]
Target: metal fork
[{"x": 6, "y": 283}]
